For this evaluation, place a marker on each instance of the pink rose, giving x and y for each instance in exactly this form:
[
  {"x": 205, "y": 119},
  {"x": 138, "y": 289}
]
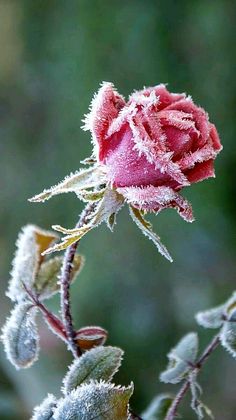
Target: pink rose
[{"x": 153, "y": 145}]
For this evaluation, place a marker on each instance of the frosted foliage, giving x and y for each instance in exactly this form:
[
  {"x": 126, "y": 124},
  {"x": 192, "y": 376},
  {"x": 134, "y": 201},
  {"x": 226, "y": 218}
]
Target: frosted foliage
[
  {"x": 111, "y": 203},
  {"x": 146, "y": 228},
  {"x": 228, "y": 334},
  {"x": 47, "y": 283},
  {"x": 187, "y": 348},
  {"x": 20, "y": 337},
  {"x": 86, "y": 178},
  {"x": 45, "y": 410},
  {"x": 212, "y": 318},
  {"x": 31, "y": 242},
  {"x": 158, "y": 408},
  {"x": 25, "y": 263},
  {"x": 180, "y": 359},
  {"x": 98, "y": 363},
  {"x": 96, "y": 400}
]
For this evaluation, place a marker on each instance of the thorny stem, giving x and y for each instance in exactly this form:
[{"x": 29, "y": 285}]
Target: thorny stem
[
  {"x": 65, "y": 284},
  {"x": 172, "y": 412}
]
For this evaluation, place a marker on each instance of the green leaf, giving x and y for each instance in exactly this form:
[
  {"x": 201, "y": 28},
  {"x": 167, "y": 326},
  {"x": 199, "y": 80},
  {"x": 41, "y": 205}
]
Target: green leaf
[
  {"x": 181, "y": 358},
  {"x": 86, "y": 178},
  {"x": 46, "y": 409},
  {"x": 20, "y": 337},
  {"x": 111, "y": 203},
  {"x": 98, "y": 363},
  {"x": 96, "y": 400},
  {"x": 30, "y": 243},
  {"x": 211, "y": 318},
  {"x": 158, "y": 408},
  {"x": 146, "y": 228},
  {"x": 46, "y": 283}
]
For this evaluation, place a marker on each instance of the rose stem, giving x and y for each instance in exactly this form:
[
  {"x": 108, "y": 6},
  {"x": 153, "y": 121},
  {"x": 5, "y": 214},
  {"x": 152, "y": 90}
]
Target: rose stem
[
  {"x": 172, "y": 412},
  {"x": 65, "y": 284}
]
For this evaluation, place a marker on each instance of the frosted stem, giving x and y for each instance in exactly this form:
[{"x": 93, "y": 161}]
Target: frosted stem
[{"x": 65, "y": 285}]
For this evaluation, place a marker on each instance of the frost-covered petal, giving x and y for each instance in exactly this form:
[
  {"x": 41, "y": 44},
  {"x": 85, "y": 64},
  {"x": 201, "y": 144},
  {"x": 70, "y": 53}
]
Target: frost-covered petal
[
  {"x": 105, "y": 106},
  {"x": 156, "y": 199}
]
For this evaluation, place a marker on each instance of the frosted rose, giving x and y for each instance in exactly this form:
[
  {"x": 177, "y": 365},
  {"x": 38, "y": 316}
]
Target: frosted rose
[{"x": 153, "y": 145}]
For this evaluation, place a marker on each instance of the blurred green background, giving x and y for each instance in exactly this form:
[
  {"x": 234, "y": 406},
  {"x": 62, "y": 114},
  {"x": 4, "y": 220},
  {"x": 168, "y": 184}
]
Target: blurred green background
[{"x": 53, "y": 56}]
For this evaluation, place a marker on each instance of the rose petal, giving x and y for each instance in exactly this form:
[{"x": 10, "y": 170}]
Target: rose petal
[
  {"x": 201, "y": 171},
  {"x": 156, "y": 199}
]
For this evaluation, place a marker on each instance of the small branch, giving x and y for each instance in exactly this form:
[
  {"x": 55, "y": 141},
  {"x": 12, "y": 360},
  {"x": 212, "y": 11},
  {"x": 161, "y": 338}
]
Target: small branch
[
  {"x": 172, "y": 412},
  {"x": 65, "y": 284}
]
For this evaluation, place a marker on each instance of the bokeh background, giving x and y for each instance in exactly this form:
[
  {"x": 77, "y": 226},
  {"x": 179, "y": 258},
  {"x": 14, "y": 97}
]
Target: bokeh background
[{"x": 53, "y": 56}]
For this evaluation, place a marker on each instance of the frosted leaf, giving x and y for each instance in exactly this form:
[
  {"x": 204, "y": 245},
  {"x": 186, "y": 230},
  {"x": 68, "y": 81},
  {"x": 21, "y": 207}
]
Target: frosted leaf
[
  {"x": 89, "y": 337},
  {"x": 181, "y": 358},
  {"x": 86, "y": 178},
  {"x": 47, "y": 283},
  {"x": 230, "y": 305},
  {"x": 96, "y": 400},
  {"x": 111, "y": 203},
  {"x": 30, "y": 243},
  {"x": 228, "y": 333},
  {"x": 146, "y": 228},
  {"x": 187, "y": 348},
  {"x": 20, "y": 337},
  {"x": 46, "y": 409},
  {"x": 88, "y": 196},
  {"x": 111, "y": 221},
  {"x": 211, "y": 318},
  {"x": 158, "y": 408},
  {"x": 98, "y": 363}
]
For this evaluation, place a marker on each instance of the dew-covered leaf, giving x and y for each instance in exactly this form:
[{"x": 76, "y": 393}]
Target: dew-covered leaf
[
  {"x": 181, "y": 358},
  {"x": 211, "y": 318},
  {"x": 30, "y": 243},
  {"x": 45, "y": 410},
  {"x": 146, "y": 228},
  {"x": 158, "y": 408},
  {"x": 20, "y": 337},
  {"x": 46, "y": 283},
  {"x": 96, "y": 400},
  {"x": 111, "y": 203},
  {"x": 86, "y": 178},
  {"x": 89, "y": 337},
  {"x": 228, "y": 333},
  {"x": 98, "y": 363}
]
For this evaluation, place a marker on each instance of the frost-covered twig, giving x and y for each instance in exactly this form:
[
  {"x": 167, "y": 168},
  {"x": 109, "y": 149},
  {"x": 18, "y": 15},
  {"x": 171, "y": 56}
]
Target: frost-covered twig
[
  {"x": 172, "y": 412},
  {"x": 65, "y": 284}
]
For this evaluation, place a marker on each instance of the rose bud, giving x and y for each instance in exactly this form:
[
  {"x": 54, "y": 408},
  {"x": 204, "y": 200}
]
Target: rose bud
[
  {"x": 89, "y": 337},
  {"x": 153, "y": 145}
]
